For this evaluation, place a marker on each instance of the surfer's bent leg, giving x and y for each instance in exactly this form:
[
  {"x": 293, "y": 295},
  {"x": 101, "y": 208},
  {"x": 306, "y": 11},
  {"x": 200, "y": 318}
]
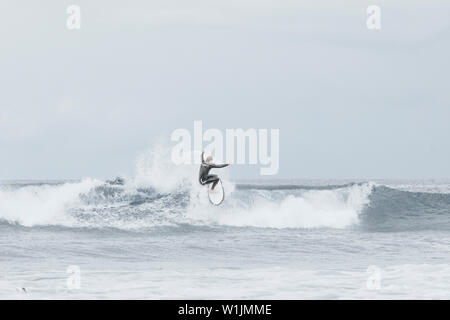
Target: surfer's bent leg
[{"x": 212, "y": 178}]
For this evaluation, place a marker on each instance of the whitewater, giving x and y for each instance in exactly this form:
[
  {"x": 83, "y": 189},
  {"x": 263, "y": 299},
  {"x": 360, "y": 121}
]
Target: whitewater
[{"x": 155, "y": 236}]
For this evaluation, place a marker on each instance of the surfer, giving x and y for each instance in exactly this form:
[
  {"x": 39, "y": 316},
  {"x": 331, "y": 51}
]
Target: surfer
[{"x": 205, "y": 167}]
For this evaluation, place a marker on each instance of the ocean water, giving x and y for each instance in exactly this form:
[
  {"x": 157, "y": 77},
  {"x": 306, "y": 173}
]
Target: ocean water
[{"x": 152, "y": 238}]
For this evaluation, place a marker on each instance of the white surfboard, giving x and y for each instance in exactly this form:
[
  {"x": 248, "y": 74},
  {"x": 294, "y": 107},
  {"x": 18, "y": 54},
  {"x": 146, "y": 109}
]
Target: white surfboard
[{"x": 217, "y": 196}]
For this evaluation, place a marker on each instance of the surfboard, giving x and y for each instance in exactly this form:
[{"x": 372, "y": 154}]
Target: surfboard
[{"x": 217, "y": 196}]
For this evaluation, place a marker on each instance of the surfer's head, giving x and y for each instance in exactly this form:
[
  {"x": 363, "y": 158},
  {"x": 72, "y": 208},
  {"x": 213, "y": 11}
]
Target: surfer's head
[{"x": 209, "y": 159}]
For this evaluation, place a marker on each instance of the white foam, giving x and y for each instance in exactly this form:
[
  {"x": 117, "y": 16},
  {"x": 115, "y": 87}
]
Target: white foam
[
  {"x": 43, "y": 204},
  {"x": 155, "y": 169},
  {"x": 178, "y": 281},
  {"x": 337, "y": 208}
]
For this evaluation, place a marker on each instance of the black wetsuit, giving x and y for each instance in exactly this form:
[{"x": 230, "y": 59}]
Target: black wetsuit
[{"x": 204, "y": 177}]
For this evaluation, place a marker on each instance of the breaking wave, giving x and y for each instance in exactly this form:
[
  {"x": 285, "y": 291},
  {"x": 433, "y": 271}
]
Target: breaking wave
[{"x": 162, "y": 195}]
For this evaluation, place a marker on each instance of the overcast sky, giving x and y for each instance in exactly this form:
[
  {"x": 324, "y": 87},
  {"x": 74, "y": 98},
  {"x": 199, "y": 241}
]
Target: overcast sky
[{"x": 349, "y": 102}]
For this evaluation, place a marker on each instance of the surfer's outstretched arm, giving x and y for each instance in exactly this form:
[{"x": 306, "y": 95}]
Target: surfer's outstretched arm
[{"x": 218, "y": 166}]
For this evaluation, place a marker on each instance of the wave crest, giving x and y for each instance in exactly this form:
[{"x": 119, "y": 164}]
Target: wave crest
[
  {"x": 336, "y": 208},
  {"x": 42, "y": 204}
]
